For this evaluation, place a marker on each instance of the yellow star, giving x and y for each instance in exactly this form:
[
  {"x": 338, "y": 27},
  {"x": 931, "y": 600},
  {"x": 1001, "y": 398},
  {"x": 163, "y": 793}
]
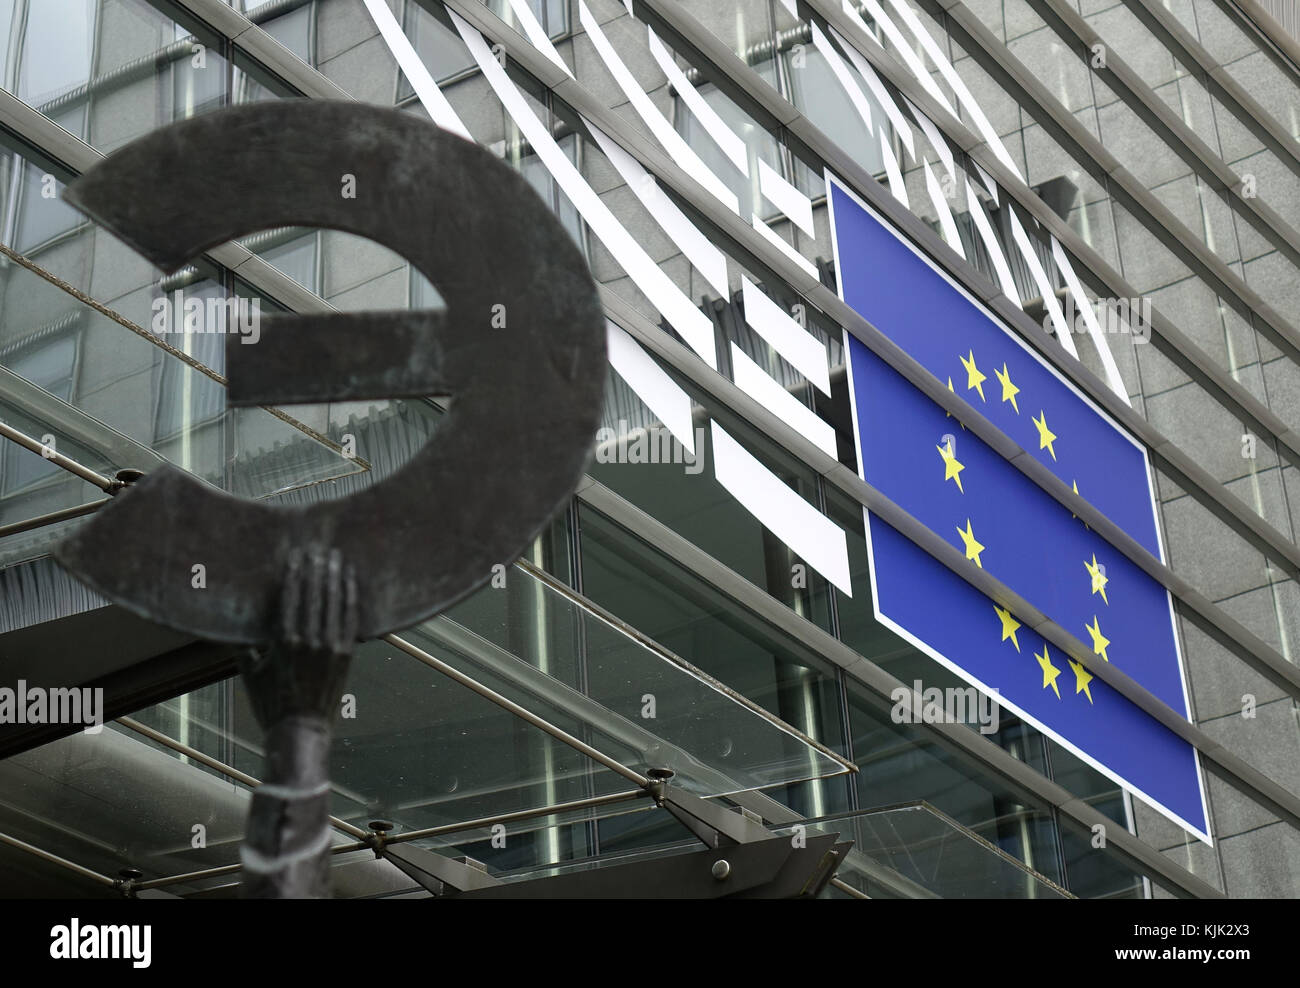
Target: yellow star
[
  {"x": 1099, "y": 579},
  {"x": 973, "y": 548},
  {"x": 1050, "y": 672},
  {"x": 949, "y": 414},
  {"x": 1082, "y": 677},
  {"x": 1099, "y": 641},
  {"x": 1009, "y": 390},
  {"x": 1009, "y": 626},
  {"x": 974, "y": 379},
  {"x": 1045, "y": 435},
  {"x": 951, "y": 468}
]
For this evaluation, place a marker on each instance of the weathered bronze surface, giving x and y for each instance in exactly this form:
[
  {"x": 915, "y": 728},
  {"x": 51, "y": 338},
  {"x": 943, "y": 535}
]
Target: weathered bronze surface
[
  {"x": 527, "y": 395},
  {"x": 519, "y": 347}
]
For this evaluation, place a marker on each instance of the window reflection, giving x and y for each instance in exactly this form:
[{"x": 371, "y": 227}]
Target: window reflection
[
  {"x": 198, "y": 82},
  {"x": 816, "y": 92},
  {"x": 760, "y": 144},
  {"x": 297, "y": 258},
  {"x": 125, "y": 65},
  {"x": 439, "y": 48},
  {"x": 58, "y": 40},
  {"x": 38, "y": 213},
  {"x": 552, "y": 15},
  {"x": 186, "y": 397},
  {"x": 50, "y": 366}
]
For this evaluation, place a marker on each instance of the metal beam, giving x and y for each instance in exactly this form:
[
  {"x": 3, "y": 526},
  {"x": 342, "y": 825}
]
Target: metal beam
[
  {"x": 434, "y": 872},
  {"x": 1079, "y": 37},
  {"x": 771, "y": 868},
  {"x": 1162, "y": 23}
]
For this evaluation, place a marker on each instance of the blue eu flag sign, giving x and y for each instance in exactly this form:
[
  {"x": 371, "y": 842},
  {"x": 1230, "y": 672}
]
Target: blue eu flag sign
[{"x": 924, "y": 460}]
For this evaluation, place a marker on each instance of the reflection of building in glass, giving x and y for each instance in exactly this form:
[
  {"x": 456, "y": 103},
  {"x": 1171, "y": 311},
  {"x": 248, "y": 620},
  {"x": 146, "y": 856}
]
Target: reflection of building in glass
[{"x": 662, "y": 619}]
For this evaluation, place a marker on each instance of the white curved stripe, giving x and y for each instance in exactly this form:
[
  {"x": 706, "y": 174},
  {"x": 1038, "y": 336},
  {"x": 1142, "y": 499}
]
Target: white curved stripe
[
  {"x": 713, "y": 125},
  {"x": 775, "y": 239},
  {"x": 903, "y": 49},
  {"x": 681, "y": 152},
  {"x": 964, "y": 95},
  {"x": 536, "y": 33},
  {"x": 780, "y": 193},
  {"x": 699, "y": 250},
  {"x": 426, "y": 90},
  {"x": 1045, "y": 288},
  {"x": 691, "y": 324},
  {"x": 772, "y": 395},
  {"x": 881, "y": 94},
  {"x": 812, "y": 536},
  {"x": 934, "y": 137},
  {"x": 841, "y": 73},
  {"x": 989, "y": 184},
  {"x": 946, "y": 222},
  {"x": 1084, "y": 305},
  {"x": 785, "y": 197},
  {"x": 896, "y": 184},
  {"x": 991, "y": 244},
  {"x": 652, "y": 384},
  {"x": 800, "y": 349}
]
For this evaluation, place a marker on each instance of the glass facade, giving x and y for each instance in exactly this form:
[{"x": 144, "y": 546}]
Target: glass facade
[{"x": 1059, "y": 152}]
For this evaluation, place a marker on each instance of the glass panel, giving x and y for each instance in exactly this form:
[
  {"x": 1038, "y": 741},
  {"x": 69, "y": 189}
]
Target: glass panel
[
  {"x": 815, "y": 91},
  {"x": 58, "y": 41},
  {"x": 438, "y": 45},
  {"x": 48, "y": 365},
  {"x": 116, "y": 397},
  {"x": 907, "y": 765},
  {"x": 116, "y": 800},
  {"x": 292, "y": 29},
  {"x": 699, "y": 623},
  {"x": 922, "y": 851}
]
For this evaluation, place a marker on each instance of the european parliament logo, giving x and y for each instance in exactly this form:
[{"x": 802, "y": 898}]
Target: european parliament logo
[{"x": 924, "y": 460}]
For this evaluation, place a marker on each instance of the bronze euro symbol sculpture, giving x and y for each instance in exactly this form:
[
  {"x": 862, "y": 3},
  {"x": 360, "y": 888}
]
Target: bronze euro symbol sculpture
[{"x": 519, "y": 346}]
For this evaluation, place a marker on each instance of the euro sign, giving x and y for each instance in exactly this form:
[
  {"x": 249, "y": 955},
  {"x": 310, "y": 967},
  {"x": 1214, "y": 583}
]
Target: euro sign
[{"x": 519, "y": 346}]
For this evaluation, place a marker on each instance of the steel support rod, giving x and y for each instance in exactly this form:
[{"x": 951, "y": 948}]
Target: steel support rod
[
  {"x": 451, "y": 828},
  {"x": 22, "y": 845},
  {"x": 58, "y": 459},
  {"x": 848, "y": 889},
  {"x": 53, "y": 518},
  {"x": 219, "y": 766}
]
